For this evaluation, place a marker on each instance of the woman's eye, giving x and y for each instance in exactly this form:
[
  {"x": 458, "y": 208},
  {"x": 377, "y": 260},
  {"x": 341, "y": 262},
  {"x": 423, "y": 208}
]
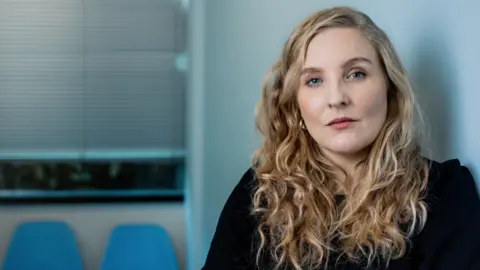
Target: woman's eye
[
  {"x": 356, "y": 75},
  {"x": 313, "y": 81}
]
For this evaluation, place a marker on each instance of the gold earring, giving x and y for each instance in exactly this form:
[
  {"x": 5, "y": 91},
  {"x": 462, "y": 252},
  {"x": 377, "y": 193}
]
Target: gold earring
[{"x": 302, "y": 124}]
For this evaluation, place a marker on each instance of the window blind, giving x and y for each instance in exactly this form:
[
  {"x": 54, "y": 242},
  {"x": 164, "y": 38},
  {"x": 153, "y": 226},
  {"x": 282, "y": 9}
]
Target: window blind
[{"x": 91, "y": 78}]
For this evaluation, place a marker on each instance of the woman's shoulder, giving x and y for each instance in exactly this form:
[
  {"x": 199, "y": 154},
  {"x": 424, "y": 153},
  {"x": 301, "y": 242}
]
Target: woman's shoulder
[
  {"x": 450, "y": 238},
  {"x": 245, "y": 187},
  {"x": 231, "y": 246},
  {"x": 452, "y": 199},
  {"x": 449, "y": 178},
  {"x": 239, "y": 201}
]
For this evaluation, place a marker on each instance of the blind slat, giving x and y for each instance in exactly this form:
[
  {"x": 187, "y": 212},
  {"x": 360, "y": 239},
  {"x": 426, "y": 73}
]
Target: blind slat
[
  {"x": 41, "y": 76},
  {"x": 89, "y": 77},
  {"x": 140, "y": 25}
]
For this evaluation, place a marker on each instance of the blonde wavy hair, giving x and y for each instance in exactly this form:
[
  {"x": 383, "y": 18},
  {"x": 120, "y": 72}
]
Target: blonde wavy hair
[{"x": 300, "y": 222}]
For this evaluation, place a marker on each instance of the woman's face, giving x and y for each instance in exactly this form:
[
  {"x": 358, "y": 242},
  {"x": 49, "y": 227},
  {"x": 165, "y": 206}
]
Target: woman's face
[{"x": 343, "y": 92}]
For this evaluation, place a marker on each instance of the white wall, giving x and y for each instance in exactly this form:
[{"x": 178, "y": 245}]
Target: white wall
[
  {"x": 195, "y": 135},
  {"x": 92, "y": 224},
  {"x": 464, "y": 42},
  {"x": 436, "y": 39}
]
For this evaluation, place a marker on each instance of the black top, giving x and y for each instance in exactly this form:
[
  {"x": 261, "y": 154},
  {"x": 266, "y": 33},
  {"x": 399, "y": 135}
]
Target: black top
[{"x": 450, "y": 239}]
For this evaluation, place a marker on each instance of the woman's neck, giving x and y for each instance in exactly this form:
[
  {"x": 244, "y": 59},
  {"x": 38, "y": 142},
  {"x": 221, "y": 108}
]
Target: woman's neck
[{"x": 348, "y": 170}]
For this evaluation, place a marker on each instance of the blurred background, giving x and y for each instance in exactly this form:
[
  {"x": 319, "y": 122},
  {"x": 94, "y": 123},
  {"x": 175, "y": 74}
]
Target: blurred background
[{"x": 120, "y": 111}]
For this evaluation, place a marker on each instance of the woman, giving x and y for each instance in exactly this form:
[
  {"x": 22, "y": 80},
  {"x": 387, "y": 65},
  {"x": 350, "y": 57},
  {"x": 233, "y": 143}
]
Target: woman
[{"x": 339, "y": 182}]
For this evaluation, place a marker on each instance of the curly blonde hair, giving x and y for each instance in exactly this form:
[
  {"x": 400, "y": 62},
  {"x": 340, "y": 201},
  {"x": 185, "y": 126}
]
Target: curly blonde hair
[{"x": 300, "y": 222}]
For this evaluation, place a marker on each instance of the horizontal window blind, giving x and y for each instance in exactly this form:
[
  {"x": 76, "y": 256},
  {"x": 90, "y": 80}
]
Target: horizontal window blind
[{"x": 82, "y": 78}]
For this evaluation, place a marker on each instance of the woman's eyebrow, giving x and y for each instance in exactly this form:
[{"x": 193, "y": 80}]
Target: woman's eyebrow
[
  {"x": 349, "y": 62},
  {"x": 355, "y": 60}
]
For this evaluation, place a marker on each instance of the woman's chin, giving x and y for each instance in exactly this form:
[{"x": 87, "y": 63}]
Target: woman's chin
[{"x": 346, "y": 149}]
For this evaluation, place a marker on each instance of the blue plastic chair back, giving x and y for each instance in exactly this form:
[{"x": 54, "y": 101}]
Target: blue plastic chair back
[
  {"x": 139, "y": 247},
  {"x": 43, "y": 245}
]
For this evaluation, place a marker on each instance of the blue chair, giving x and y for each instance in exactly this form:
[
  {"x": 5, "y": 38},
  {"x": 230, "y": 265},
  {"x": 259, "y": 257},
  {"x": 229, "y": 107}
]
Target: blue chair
[
  {"x": 43, "y": 245},
  {"x": 139, "y": 247}
]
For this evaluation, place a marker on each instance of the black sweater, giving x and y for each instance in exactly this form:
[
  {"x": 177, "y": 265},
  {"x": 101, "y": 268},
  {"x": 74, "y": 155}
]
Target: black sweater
[{"x": 450, "y": 239}]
